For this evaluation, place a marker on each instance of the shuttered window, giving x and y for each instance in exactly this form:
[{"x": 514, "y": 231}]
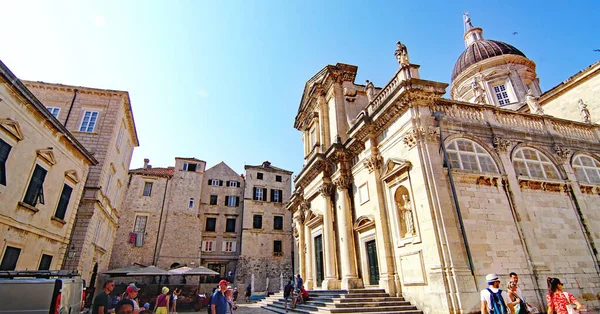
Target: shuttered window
[
  {"x": 232, "y": 201},
  {"x": 4, "y": 151},
  {"x": 10, "y": 258},
  {"x": 278, "y": 222},
  {"x": 276, "y": 196},
  {"x": 63, "y": 202},
  {"x": 213, "y": 199},
  {"x": 45, "y": 262},
  {"x": 35, "y": 190},
  {"x": 257, "y": 222},
  {"x": 211, "y": 224},
  {"x": 148, "y": 189},
  {"x": 230, "y": 226}
]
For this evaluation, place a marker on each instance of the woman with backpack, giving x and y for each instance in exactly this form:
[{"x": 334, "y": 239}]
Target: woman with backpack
[
  {"x": 162, "y": 302},
  {"x": 558, "y": 300}
]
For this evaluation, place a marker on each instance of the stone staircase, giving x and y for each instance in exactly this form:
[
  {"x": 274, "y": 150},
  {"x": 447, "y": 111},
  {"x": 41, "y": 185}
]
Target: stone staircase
[{"x": 373, "y": 301}]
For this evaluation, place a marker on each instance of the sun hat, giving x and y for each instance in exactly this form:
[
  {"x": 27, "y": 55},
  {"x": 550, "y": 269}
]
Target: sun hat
[
  {"x": 490, "y": 278},
  {"x": 132, "y": 288}
]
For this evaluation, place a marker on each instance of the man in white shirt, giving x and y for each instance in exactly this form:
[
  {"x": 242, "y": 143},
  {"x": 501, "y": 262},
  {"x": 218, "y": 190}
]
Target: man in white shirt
[
  {"x": 515, "y": 278},
  {"x": 494, "y": 287}
]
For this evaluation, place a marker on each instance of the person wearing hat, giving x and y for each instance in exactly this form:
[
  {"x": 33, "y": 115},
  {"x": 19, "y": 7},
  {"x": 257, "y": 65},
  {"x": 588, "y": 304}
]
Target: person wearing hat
[
  {"x": 162, "y": 302},
  {"x": 218, "y": 301},
  {"x": 494, "y": 300},
  {"x": 131, "y": 293}
]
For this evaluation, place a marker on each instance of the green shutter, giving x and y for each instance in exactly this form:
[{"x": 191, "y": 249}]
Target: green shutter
[
  {"x": 63, "y": 203},
  {"x": 4, "y": 151},
  {"x": 35, "y": 190},
  {"x": 226, "y": 200}
]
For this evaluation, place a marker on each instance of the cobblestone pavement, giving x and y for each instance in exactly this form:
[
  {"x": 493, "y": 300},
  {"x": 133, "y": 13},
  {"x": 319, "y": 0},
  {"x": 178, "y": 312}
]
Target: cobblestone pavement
[{"x": 244, "y": 309}]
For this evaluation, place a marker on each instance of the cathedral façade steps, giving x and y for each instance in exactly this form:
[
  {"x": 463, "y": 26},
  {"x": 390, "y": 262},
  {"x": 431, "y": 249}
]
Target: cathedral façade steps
[{"x": 374, "y": 301}]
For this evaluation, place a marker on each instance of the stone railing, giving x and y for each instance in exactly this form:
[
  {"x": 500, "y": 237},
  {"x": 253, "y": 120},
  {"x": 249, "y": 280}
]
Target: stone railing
[
  {"x": 384, "y": 93},
  {"x": 530, "y": 123}
]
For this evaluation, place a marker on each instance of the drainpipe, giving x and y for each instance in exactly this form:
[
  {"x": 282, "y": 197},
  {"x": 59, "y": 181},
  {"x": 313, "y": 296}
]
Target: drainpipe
[
  {"x": 162, "y": 208},
  {"x": 71, "y": 106},
  {"x": 439, "y": 115}
]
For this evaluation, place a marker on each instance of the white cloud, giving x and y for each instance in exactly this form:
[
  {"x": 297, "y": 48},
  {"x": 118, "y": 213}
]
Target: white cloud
[
  {"x": 99, "y": 20},
  {"x": 202, "y": 93}
]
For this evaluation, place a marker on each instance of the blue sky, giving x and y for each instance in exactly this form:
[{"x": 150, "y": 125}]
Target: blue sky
[{"x": 222, "y": 80}]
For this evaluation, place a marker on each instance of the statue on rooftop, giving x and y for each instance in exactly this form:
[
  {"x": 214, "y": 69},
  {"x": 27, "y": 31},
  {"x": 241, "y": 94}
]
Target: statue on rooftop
[
  {"x": 478, "y": 92},
  {"x": 532, "y": 102},
  {"x": 370, "y": 88},
  {"x": 401, "y": 54},
  {"x": 585, "y": 113}
]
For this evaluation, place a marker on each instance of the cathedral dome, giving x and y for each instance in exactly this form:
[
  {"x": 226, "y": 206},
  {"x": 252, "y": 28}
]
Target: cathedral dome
[{"x": 480, "y": 50}]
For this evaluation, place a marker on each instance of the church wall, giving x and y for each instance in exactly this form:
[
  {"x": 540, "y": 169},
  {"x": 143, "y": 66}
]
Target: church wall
[
  {"x": 565, "y": 105},
  {"x": 558, "y": 246},
  {"x": 591, "y": 213}
]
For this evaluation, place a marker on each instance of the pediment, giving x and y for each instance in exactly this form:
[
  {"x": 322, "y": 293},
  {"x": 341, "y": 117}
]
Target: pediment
[
  {"x": 12, "y": 127},
  {"x": 364, "y": 223},
  {"x": 394, "y": 166},
  {"x": 47, "y": 155},
  {"x": 72, "y": 176}
]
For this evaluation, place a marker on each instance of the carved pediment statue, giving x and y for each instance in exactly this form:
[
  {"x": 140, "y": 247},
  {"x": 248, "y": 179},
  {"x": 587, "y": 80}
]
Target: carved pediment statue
[
  {"x": 532, "y": 102},
  {"x": 394, "y": 165}
]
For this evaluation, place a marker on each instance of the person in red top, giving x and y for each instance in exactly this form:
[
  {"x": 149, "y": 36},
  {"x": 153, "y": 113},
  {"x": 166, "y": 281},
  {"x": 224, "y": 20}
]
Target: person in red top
[
  {"x": 557, "y": 299},
  {"x": 302, "y": 297}
]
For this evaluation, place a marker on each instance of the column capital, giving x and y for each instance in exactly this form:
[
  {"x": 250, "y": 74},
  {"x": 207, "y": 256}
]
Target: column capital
[
  {"x": 501, "y": 144},
  {"x": 373, "y": 162},
  {"x": 326, "y": 189},
  {"x": 562, "y": 153},
  {"x": 343, "y": 182}
]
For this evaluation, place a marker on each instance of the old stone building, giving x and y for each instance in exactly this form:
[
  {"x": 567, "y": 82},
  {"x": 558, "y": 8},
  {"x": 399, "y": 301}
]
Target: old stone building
[
  {"x": 102, "y": 120},
  {"x": 43, "y": 169},
  {"x": 266, "y": 250},
  {"x": 404, "y": 190},
  {"x": 220, "y": 216}
]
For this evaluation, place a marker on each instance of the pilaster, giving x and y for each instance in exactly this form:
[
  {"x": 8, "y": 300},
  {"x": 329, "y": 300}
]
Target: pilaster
[{"x": 331, "y": 281}]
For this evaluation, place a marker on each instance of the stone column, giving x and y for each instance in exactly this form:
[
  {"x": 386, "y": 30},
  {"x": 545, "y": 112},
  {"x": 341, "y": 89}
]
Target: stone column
[
  {"x": 349, "y": 272},
  {"x": 324, "y": 120},
  {"x": 331, "y": 281},
  {"x": 301, "y": 244},
  {"x": 308, "y": 253}
]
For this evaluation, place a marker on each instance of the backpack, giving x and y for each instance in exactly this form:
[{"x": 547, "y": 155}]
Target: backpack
[{"x": 497, "y": 303}]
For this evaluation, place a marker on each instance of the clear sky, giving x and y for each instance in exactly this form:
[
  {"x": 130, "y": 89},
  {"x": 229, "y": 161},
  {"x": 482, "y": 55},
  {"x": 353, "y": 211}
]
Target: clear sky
[{"x": 222, "y": 80}]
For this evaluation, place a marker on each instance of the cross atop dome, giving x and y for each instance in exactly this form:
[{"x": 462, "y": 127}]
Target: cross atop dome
[{"x": 472, "y": 33}]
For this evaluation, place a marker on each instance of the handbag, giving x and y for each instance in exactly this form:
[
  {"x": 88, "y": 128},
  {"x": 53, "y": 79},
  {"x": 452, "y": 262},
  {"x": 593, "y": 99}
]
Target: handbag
[{"x": 571, "y": 307}]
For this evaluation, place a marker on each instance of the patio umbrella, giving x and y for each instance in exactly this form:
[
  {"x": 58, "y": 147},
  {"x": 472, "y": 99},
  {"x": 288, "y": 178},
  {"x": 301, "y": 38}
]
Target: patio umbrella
[
  {"x": 121, "y": 271},
  {"x": 179, "y": 271},
  {"x": 149, "y": 271},
  {"x": 201, "y": 271}
]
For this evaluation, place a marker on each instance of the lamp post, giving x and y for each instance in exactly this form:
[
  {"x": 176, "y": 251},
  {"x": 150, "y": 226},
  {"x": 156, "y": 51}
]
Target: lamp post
[{"x": 71, "y": 253}]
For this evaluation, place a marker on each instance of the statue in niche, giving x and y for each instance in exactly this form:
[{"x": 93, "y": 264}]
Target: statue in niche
[
  {"x": 407, "y": 228},
  {"x": 585, "y": 113},
  {"x": 532, "y": 102},
  {"x": 479, "y": 92},
  {"x": 370, "y": 90},
  {"x": 401, "y": 54},
  {"x": 408, "y": 216}
]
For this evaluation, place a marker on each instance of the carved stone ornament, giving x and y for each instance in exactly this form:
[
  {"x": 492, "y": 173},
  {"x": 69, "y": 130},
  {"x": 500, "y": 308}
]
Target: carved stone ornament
[
  {"x": 562, "y": 153},
  {"x": 373, "y": 162},
  {"x": 428, "y": 134},
  {"x": 501, "y": 144},
  {"x": 343, "y": 182},
  {"x": 326, "y": 189}
]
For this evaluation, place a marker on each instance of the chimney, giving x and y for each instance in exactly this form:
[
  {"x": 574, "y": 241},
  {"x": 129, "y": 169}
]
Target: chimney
[{"x": 146, "y": 161}]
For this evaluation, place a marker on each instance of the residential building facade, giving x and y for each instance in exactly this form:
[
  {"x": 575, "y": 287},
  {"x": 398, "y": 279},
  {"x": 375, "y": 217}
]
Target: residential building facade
[
  {"x": 267, "y": 247},
  {"x": 43, "y": 170},
  {"x": 102, "y": 120},
  {"x": 404, "y": 190}
]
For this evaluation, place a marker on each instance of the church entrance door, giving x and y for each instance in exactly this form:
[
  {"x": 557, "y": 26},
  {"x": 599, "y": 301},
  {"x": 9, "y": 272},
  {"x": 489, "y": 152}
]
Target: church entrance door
[
  {"x": 319, "y": 259},
  {"x": 373, "y": 264}
]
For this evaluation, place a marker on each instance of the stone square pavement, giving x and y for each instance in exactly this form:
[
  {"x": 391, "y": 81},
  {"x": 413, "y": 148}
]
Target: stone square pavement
[{"x": 244, "y": 309}]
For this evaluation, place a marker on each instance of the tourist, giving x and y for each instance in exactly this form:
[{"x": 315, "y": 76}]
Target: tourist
[
  {"x": 288, "y": 292},
  {"x": 131, "y": 293},
  {"x": 518, "y": 305},
  {"x": 235, "y": 294},
  {"x": 218, "y": 302},
  {"x": 102, "y": 302},
  {"x": 558, "y": 300},
  {"x": 301, "y": 297},
  {"x": 231, "y": 306},
  {"x": 515, "y": 278},
  {"x": 248, "y": 292},
  {"x": 494, "y": 300},
  {"x": 125, "y": 306},
  {"x": 162, "y": 302},
  {"x": 176, "y": 293}
]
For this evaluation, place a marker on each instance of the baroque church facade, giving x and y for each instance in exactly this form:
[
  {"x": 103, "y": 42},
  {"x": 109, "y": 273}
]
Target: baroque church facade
[{"x": 423, "y": 196}]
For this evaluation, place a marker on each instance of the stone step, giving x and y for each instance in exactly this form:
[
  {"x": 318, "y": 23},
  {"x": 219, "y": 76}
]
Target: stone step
[
  {"x": 351, "y": 291},
  {"x": 377, "y": 299},
  {"x": 364, "y": 295},
  {"x": 368, "y": 304},
  {"x": 408, "y": 309}
]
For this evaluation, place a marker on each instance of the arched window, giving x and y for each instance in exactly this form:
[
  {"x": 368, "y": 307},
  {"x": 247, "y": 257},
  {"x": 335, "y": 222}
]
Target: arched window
[
  {"x": 467, "y": 155},
  {"x": 587, "y": 169},
  {"x": 534, "y": 164}
]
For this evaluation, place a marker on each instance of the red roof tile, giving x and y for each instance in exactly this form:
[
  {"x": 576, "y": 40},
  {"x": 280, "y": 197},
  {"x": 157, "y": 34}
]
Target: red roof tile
[{"x": 159, "y": 172}]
